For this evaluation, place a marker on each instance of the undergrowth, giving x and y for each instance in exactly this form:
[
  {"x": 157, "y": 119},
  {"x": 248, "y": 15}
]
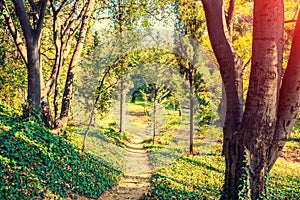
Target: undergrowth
[{"x": 34, "y": 163}]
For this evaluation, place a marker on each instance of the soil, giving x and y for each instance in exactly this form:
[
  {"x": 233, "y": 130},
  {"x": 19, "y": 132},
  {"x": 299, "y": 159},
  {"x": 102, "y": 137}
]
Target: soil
[{"x": 135, "y": 182}]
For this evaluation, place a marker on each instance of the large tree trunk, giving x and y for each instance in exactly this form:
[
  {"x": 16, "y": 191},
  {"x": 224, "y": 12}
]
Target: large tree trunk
[
  {"x": 231, "y": 72},
  {"x": 289, "y": 101},
  {"x": 259, "y": 121},
  {"x": 269, "y": 114},
  {"x": 31, "y": 29},
  {"x": 34, "y": 73}
]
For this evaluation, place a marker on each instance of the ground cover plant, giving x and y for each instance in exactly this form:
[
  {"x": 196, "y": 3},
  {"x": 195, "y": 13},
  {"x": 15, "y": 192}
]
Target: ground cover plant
[
  {"x": 34, "y": 163},
  {"x": 201, "y": 177}
]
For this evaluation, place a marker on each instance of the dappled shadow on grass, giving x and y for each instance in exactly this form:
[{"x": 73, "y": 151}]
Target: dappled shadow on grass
[
  {"x": 294, "y": 139},
  {"x": 195, "y": 162},
  {"x": 102, "y": 144},
  {"x": 189, "y": 177},
  {"x": 184, "y": 190}
]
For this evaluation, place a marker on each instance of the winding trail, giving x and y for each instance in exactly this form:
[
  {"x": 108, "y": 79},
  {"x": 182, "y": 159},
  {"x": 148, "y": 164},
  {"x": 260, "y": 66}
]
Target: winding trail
[{"x": 135, "y": 182}]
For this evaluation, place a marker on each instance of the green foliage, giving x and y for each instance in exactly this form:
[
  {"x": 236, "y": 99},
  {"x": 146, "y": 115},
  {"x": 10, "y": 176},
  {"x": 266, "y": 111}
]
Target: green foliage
[
  {"x": 13, "y": 76},
  {"x": 34, "y": 163},
  {"x": 190, "y": 18},
  {"x": 115, "y": 136}
]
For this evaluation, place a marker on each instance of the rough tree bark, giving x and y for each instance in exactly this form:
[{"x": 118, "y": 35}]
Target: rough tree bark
[
  {"x": 231, "y": 72},
  {"x": 31, "y": 23},
  {"x": 289, "y": 100},
  {"x": 259, "y": 121},
  {"x": 270, "y": 111}
]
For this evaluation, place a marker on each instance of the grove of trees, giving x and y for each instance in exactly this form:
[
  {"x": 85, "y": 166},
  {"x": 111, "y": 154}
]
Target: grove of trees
[{"x": 255, "y": 44}]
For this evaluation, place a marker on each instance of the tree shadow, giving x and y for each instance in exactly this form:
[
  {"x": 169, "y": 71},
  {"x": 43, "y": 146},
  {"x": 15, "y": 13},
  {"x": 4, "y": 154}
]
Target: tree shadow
[
  {"x": 294, "y": 139},
  {"x": 164, "y": 190},
  {"x": 194, "y": 162}
]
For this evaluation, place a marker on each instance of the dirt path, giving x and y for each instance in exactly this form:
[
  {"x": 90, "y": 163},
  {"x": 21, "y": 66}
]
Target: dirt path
[{"x": 135, "y": 182}]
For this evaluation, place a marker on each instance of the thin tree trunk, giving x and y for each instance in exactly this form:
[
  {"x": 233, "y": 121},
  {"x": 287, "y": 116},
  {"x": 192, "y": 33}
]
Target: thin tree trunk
[
  {"x": 122, "y": 84},
  {"x": 191, "y": 118},
  {"x": 63, "y": 120},
  {"x": 89, "y": 126},
  {"x": 154, "y": 121},
  {"x": 46, "y": 116},
  {"x": 122, "y": 105}
]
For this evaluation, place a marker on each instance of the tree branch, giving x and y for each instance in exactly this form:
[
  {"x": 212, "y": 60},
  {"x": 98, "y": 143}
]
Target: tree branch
[
  {"x": 102, "y": 18},
  {"x": 47, "y": 56},
  {"x": 43, "y": 5},
  {"x": 290, "y": 21},
  {"x": 14, "y": 32},
  {"x": 33, "y": 6},
  {"x": 71, "y": 15},
  {"x": 61, "y": 6},
  {"x": 245, "y": 67},
  {"x": 24, "y": 18},
  {"x": 289, "y": 99},
  {"x": 70, "y": 24},
  {"x": 229, "y": 16}
]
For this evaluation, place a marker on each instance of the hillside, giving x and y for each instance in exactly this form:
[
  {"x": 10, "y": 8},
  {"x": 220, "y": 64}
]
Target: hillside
[{"x": 34, "y": 163}]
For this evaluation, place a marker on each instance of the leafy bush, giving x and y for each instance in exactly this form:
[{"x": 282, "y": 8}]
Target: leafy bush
[{"x": 34, "y": 163}]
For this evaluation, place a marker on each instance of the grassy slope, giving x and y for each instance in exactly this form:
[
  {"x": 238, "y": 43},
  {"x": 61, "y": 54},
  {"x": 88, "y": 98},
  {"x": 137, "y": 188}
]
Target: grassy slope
[
  {"x": 201, "y": 177},
  {"x": 193, "y": 177},
  {"x": 34, "y": 163},
  {"x": 103, "y": 143}
]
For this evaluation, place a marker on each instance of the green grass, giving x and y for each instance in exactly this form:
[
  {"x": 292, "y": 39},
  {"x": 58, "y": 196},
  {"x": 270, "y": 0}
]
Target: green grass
[
  {"x": 201, "y": 177},
  {"x": 105, "y": 142},
  {"x": 138, "y": 114},
  {"x": 285, "y": 175},
  {"x": 190, "y": 177},
  {"x": 168, "y": 130},
  {"x": 35, "y": 164}
]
